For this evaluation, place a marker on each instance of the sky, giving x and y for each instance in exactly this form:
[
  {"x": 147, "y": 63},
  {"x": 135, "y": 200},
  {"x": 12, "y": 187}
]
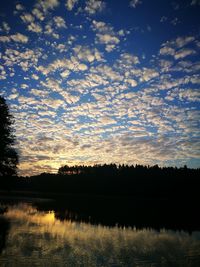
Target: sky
[{"x": 102, "y": 81}]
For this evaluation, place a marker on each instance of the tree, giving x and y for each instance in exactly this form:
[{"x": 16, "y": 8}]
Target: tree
[{"x": 8, "y": 155}]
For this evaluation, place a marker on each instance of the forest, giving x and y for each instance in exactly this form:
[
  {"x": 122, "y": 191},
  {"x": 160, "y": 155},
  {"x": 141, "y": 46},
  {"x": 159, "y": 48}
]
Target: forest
[{"x": 112, "y": 179}]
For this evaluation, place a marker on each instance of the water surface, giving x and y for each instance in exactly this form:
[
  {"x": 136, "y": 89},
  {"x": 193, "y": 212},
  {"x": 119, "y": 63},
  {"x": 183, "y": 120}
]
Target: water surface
[{"x": 38, "y": 238}]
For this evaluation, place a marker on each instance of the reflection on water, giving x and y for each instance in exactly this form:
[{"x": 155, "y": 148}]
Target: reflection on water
[
  {"x": 39, "y": 239},
  {"x": 4, "y": 227}
]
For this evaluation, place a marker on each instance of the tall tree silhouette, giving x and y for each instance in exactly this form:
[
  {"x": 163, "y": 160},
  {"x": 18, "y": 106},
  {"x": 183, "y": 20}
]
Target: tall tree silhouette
[{"x": 8, "y": 155}]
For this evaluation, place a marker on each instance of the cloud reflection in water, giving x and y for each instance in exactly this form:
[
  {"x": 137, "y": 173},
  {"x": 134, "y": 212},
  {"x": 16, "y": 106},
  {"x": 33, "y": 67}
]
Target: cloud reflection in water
[{"x": 39, "y": 239}]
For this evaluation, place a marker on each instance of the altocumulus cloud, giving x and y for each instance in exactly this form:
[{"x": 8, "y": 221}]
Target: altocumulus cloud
[{"x": 87, "y": 84}]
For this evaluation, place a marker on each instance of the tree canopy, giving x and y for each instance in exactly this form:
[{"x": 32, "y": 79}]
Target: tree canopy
[{"x": 8, "y": 155}]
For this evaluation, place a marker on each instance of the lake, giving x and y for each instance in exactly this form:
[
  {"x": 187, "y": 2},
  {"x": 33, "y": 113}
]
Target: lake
[{"x": 33, "y": 237}]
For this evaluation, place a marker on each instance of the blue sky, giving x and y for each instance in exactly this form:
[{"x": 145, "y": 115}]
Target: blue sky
[{"x": 102, "y": 81}]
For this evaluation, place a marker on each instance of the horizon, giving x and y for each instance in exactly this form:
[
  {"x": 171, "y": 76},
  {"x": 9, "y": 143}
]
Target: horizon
[
  {"x": 117, "y": 166},
  {"x": 90, "y": 82}
]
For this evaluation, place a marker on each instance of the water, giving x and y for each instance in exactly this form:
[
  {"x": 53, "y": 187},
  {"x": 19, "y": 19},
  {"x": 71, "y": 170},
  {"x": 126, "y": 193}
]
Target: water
[{"x": 38, "y": 238}]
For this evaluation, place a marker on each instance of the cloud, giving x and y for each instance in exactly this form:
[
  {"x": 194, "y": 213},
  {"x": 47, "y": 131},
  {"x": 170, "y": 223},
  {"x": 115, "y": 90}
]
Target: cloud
[
  {"x": 91, "y": 80},
  {"x": 46, "y": 5},
  {"x": 86, "y": 53},
  {"x": 165, "y": 65},
  {"x": 69, "y": 98},
  {"x": 18, "y": 37},
  {"x": 40, "y": 93},
  {"x": 82, "y": 67},
  {"x": 179, "y": 42},
  {"x": 132, "y": 82},
  {"x": 182, "y": 41},
  {"x": 65, "y": 73},
  {"x": 13, "y": 96},
  {"x": 71, "y": 64},
  {"x": 172, "y": 48},
  {"x": 148, "y": 74},
  {"x": 34, "y": 27},
  {"x": 167, "y": 51},
  {"x": 2, "y": 73},
  {"x": 69, "y": 90},
  {"x": 184, "y": 53},
  {"x": 35, "y": 77},
  {"x": 5, "y": 27},
  {"x": 59, "y": 22},
  {"x": 128, "y": 60},
  {"x": 38, "y": 14},
  {"x": 106, "y": 35},
  {"x": 175, "y": 21},
  {"x": 107, "y": 72},
  {"x": 53, "y": 103},
  {"x": 163, "y": 19},
  {"x": 27, "y": 18},
  {"x": 49, "y": 30},
  {"x": 55, "y": 86},
  {"x": 109, "y": 40},
  {"x": 135, "y": 3},
  {"x": 94, "y": 6},
  {"x": 19, "y": 7},
  {"x": 24, "y": 86},
  {"x": 106, "y": 120},
  {"x": 189, "y": 94},
  {"x": 70, "y": 4},
  {"x": 61, "y": 47},
  {"x": 25, "y": 59}
]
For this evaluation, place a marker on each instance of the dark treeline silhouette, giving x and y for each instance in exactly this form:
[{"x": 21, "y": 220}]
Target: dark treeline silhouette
[
  {"x": 110, "y": 170},
  {"x": 8, "y": 155},
  {"x": 112, "y": 179}
]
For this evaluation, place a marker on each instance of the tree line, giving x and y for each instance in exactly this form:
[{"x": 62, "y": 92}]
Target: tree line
[{"x": 123, "y": 169}]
